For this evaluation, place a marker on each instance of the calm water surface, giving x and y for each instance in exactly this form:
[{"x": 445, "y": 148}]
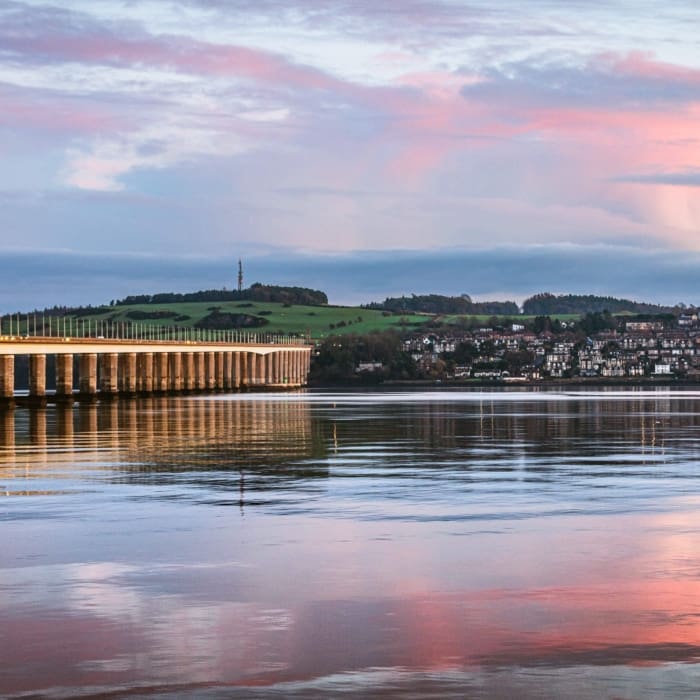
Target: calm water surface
[{"x": 514, "y": 544}]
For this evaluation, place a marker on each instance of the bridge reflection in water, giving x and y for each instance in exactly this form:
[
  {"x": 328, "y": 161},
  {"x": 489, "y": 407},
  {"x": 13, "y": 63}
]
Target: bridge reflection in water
[{"x": 224, "y": 445}]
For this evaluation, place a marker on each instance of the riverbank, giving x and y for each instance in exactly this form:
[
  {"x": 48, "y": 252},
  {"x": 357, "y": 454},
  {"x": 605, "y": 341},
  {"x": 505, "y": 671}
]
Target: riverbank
[{"x": 530, "y": 383}]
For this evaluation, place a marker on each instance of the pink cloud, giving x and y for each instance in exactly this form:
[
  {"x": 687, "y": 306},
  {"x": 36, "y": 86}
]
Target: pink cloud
[
  {"x": 42, "y": 111},
  {"x": 419, "y": 124},
  {"x": 177, "y": 53},
  {"x": 644, "y": 63}
]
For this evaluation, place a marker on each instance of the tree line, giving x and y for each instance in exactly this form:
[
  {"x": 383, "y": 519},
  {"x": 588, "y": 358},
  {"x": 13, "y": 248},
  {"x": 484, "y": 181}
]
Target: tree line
[
  {"x": 440, "y": 304},
  {"x": 542, "y": 304},
  {"x": 545, "y": 303},
  {"x": 256, "y": 292}
]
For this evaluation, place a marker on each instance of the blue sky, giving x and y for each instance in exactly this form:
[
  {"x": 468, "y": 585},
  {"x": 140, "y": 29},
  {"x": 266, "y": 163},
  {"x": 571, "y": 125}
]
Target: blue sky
[{"x": 366, "y": 148}]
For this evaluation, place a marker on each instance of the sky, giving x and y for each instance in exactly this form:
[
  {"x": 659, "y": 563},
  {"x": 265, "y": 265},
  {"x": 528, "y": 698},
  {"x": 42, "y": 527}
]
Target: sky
[{"x": 364, "y": 147}]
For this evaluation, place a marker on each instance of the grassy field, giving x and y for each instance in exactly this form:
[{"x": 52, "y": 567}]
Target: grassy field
[{"x": 318, "y": 321}]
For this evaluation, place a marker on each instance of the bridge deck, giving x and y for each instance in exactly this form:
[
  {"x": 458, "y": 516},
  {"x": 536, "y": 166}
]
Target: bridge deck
[{"x": 13, "y": 345}]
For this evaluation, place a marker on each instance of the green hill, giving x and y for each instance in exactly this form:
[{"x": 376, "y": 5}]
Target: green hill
[
  {"x": 257, "y": 317},
  {"x": 300, "y": 311}
]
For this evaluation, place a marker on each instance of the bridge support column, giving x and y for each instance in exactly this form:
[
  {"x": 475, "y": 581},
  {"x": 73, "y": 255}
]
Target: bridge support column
[
  {"x": 7, "y": 376},
  {"x": 188, "y": 378},
  {"x": 64, "y": 376},
  {"x": 87, "y": 374},
  {"x": 236, "y": 370},
  {"x": 219, "y": 370},
  {"x": 292, "y": 368},
  {"x": 37, "y": 376},
  {"x": 283, "y": 367},
  {"x": 176, "y": 371},
  {"x": 270, "y": 367},
  {"x": 109, "y": 364},
  {"x": 278, "y": 367},
  {"x": 200, "y": 382},
  {"x": 160, "y": 371},
  {"x": 262, "y": 364},
  {"x": 127, "y": 373},
  {"x": 262, "y": 372},
  {"x": 144, "y": 372},
  {"x": 245, "y": 369},
  {"x": 210, "y": 370},
  {"x": 262, "y": 369},
  {"x": 228, "y": 370},
  {"x": 252, "y": 368}
]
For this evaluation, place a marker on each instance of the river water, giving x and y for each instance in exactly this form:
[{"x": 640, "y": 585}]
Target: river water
[{"x": 505, "y": 544}]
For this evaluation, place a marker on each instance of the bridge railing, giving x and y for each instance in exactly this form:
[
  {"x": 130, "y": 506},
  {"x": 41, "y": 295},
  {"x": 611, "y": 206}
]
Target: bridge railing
[{"x": 43, "y": 326}]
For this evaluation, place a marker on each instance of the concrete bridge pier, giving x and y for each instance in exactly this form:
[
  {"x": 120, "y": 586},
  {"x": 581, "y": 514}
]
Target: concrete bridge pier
[
  {"x": 269, "y": 368},
  {"x": 144, "y": 372},
  {"x": 236, "y": 370},
  {"x": 87, "y": 375},
  {"x": 293, "y": 368},
  {"x": 188, "y": 376},
  {"x": 262, "y": 364},
  {"x": 64, "y": 377},
  {"x": 109, "y": 366},
  {"x": 37, "y": 377},
  {"x": 244, "y": 375},
  {"x": 219, "y": 378},
  {"x": 128, "y": 373},
  {"x": 283, "y": 367},
  {"x": 175, "y": 369},
  {"x": 278, "y": 367},
  {"x": 210, "y": 370},
  {"x": 199, "y": 377},
  {"x": 291, "y": 376},
  {"x": 228, "y": 370},
  {"x": 160, "y": 372},
  {"x": 299, "y": 359},
  {"x": 259, "y": 369},
  {"x": 252, "y": 368}
]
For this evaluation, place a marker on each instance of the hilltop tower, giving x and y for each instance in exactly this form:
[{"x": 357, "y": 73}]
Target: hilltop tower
[{"x": 240, "y": 275}]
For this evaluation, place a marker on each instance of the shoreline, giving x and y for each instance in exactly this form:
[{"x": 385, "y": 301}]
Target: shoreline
[{"x": 494, "y": 383}]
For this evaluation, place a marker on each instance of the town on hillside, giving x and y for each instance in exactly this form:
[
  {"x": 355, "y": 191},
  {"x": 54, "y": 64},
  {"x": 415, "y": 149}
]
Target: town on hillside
[
  {"x": 554, "y": 337},
  {"x": 635, "y": 349}
]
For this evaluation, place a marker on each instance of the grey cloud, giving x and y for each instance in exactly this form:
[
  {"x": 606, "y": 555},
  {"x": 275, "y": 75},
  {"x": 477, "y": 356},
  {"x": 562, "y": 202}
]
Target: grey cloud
[
  {"x": 415, "y": 24},
  {"x": 600, "y": 82},
  {"x": 34, "y": 280},
  {"x": 338, "y": 192},
  {"x": 689, "y": 178}
]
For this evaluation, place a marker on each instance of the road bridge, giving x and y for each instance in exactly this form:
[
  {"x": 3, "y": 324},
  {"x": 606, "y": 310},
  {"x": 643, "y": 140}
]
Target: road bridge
[{"x": 90, "y": 367}]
